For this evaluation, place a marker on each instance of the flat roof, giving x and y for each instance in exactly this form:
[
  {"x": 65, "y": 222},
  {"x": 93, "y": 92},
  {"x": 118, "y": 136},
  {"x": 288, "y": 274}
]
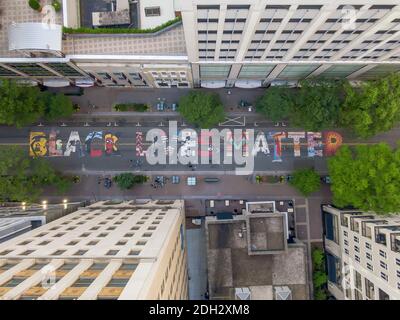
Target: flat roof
[{"x": 230, "y": 266}]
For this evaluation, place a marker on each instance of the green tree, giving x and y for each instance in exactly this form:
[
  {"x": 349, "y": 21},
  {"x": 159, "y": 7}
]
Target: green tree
[
  {"x": 57, "y": 5},
  {"x": 276, "y": 103},
  {"x": 19, "y": 105},
  {"x": 320, "y": 294},
  {"x": 126, "y": 181},
  {"x": 319, "y": 278},
  {"x": 35, "y": 5},
  {"x": 202, "y": 109},
  {"x": 23, "y": 178},
  {"x": 366, "y": 177},
  {"x": 318, "y": 259},
  {"x": 373, "y": 107},
  {"x": 58, "y": 106},
  {"x": 317, "y": 104},
  {"x": 306, "y": 181}
]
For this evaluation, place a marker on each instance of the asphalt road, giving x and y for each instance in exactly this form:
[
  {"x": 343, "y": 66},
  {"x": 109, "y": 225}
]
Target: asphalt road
[{"x": 120, "y": 161}]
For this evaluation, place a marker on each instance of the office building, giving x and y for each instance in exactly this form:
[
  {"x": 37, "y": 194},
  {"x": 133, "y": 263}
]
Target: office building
[
  {"x": 362, "y": 254},
  {"x": 51, "y": 55},
  {"x": 252, "y": 256},
  {"x": 255, "y": 43},
  {"x": 108, "y": 250},
  {"x": 226, "y": 43}
]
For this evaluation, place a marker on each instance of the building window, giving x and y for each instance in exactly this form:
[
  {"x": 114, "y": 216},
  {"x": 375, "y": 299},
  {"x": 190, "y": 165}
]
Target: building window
[
  {"x": 367, "y": 245},
  {"x": 346, "y": 251},
  {"x": 383, "y": 265},
  {"x": 357, "y": 280},
  {"x": 346, "y": 242},
  {"x": 356, "y": 249},
  {"x": 398, "y": 273},
  {"x": 357, "y": 258},
  {"x": 368, "y": 255},
  {"x": 345, "y": 233},
  {"x": 370, "y": 267},
  {"x": 355, "y": 239},
  {"x": 152, "y": 11},
  {"x": 382, "y": 254},
  {"x": 384, "y": 276},
  {"x": 369, "y": 289},
  {"x": 398, "y": 262}
]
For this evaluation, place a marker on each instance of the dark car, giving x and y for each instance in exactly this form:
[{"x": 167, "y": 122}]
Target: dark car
[
  {"x": 289, "y": 178},
  {"x": 107, "y": 183},
  {"x": 326, "y": 179}
]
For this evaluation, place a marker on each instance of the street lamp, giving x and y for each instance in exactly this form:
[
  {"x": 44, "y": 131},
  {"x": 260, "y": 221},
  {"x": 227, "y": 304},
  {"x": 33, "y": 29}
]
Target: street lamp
[
  {"x": 65, "y": 201},
  {"x": 24, "y": 206},
  {"x": 44, "y": 203}
]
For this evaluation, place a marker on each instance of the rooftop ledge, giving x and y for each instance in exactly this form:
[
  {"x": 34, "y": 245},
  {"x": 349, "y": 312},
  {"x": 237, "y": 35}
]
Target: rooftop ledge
[{"x": 123, "y": 31}]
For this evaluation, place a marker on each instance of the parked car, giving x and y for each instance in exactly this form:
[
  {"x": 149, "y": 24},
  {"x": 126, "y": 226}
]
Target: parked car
[
  {"x": 107, "y": 183},
  {"x": 326, "y": 179},
  {"x": 174, "y": 107},
  {"x": 289, "y": 178}
]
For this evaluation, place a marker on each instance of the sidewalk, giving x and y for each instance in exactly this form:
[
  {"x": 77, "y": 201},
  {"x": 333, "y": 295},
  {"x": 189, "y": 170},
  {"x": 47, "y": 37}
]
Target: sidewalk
[
  {"x": 229, "y": 187},
  {"x": 104, "y": 98}
]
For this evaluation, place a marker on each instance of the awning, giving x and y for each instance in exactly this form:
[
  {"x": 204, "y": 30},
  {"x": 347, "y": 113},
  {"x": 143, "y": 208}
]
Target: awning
[
  {"x": 56, "y": 83},
  {"x": 35, "y": 36},
  {"x": 248, "y": 84},
  {"x": 213, "y": 84},
  {"x": 84, "y": 83}
]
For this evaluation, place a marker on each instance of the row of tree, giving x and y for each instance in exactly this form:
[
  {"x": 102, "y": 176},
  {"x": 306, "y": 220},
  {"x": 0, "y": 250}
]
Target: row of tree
[
  {"x": 23, "y": 178},
  {"x": 367, "y": 109},
  {"x": 24, "y": 105},
  {"x": 366, "y": 177}
]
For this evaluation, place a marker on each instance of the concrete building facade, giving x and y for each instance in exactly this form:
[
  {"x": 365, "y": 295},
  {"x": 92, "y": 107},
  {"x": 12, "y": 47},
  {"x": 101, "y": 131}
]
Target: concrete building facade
[
  {"x": 255, "y": 43},
  {"x": 226, "y": 43},
  {"x": 362, "y": 254},
  {"x": 108, "y": 250}
]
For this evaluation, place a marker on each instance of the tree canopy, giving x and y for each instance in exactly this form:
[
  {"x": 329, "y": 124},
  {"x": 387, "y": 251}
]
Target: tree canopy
[
  {"x": 204, "y": 110},
  {"x": 317, "y": 104},
  {"x": 366, "y": 177},
  {"x": 276, "y": 104},
  {"x": 306, "y": 181},
  {"x": 57, "y": 106},
  {"x": 373, "y": 107},
  {"x": 23, "y": 105},
  {"x": 127, "y": 180},
  {"x": 20, "y": 105},
  {"x": 23, "y": 178}
]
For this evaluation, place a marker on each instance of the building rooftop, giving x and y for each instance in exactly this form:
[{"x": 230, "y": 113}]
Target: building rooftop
[
  {"x": 251, "y": 252},
  {"x": 119, "y": 243},
  {"x": 167, "y": 42},
  {"x": 18, "y": 11}
]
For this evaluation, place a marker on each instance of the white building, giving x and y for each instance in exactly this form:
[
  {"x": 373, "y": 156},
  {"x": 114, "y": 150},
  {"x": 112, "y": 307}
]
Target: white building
[
  {"x": 34, "y": 52},
  {"x": 226, "y": 43},
  {"x": 251, "y": 43},
  {"x": 363, "y": 254},
  {"x": 109, "y": 250}
]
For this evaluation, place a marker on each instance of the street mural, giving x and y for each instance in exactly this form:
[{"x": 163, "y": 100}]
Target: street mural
[
  {"x": 41, "y": 145},
  {"x": 98, "y": 144}
]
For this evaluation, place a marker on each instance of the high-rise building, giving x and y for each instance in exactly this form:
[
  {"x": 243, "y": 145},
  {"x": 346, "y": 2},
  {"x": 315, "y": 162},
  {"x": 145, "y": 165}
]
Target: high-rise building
[
  {"x": 255, "y": 42},
  {"x": 108, "y": 250},
  {"x": 42, "y": 47},
  {"x": 362, "y": 254},
  {"x": 225, "y": 43}
]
